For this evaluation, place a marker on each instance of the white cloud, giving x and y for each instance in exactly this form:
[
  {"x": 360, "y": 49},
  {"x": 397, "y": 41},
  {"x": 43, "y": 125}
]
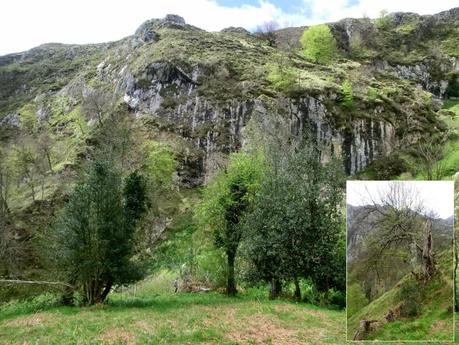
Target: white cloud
[
  {"x": 28, "y": 23},
  {"x": 437, "y": 196},
  {"x": 333, "y": 10}
]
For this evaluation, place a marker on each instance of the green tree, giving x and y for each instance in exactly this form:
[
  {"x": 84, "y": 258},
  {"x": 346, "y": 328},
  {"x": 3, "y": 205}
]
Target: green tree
[
  {"x": 159, "y": 164},
  {"x": 318, "y": 44},
  {"x": 226, "y": 201},
  {"x": 295, "y": 226},
  {"x": 96, "y": 229}
]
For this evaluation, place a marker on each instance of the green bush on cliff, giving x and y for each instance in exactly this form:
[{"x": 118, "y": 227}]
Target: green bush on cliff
[
  {"x": 318, "y": 44},
  {"x": 347, "y": 99},
  {"x": 283, "y": 78}
]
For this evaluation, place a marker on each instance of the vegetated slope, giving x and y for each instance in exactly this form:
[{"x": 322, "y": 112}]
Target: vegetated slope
[
  {"x": 197, "y": 91},
  {"x": 140, "y": 316},
  {"x": 435, "y": 319}
]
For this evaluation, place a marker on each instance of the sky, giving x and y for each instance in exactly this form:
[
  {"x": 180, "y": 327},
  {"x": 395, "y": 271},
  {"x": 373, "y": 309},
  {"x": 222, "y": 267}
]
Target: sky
[
  {"x": 25, "y": 24},
  {"x": 438, "y": 196}
]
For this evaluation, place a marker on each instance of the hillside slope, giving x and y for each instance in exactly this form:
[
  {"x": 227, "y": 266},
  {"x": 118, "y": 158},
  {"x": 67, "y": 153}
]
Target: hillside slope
[
  {"x": 435, "y": 319},
  {"x": 205, "y": 87}
]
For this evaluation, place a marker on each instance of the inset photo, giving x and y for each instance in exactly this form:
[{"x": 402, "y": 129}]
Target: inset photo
[{"x": 400, "y": 260}]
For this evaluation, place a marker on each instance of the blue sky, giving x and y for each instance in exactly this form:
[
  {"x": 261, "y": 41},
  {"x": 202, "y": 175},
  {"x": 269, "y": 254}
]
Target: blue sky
[
  {"x": 93, "y": 21},
  {"x": 291, "y": 6},
  {"x": 287, "y": 6}
]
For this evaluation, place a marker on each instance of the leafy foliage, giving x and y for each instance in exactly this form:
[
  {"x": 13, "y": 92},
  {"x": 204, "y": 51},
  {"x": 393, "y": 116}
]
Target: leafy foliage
[
  {"x": 226, "y": 201},
  {"x": 283, "y": 78},
  {"x": 295, "y": 227},
  {"x": 319, "y": 44},
  {"x": 453, "y": 85},
  {"x": 96, "y": 229},
  {"x": 356, "y": 46},
  {"x": 411, "y": 294},
  {"x": 159, "y": 164},
  {"x": 356, "y": 299},
  {"x": 347, "y": 99}
]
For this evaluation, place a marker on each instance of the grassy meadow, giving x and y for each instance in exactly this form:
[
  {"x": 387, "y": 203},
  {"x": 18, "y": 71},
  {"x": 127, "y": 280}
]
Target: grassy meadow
[{"x": 150, "y": 313}]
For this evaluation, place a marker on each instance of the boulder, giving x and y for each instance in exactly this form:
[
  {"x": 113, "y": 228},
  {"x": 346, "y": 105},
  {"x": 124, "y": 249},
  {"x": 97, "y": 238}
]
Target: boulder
[{"x": 175, "y": 19}]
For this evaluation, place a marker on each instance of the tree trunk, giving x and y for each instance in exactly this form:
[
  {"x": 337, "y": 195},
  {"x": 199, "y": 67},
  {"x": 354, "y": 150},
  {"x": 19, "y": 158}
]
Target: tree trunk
[
  {"x": 67, "y": 296},
  {"x": 231, "y": 282},
  {"x": 48, "y": 157},
  {"x": 428, "y": 264},
  {"x": 297, "y": 294},
  {"x": 32, "y": 188},
  {"x": 363, "y": 330},
  {"x": 276, "y": 288},
  {"x": 106, "y": 291}
]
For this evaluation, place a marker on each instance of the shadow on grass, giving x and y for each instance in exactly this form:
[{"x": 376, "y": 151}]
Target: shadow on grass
[
  {"x": 168, "y": 302},
  {"x": 115, "y": 303},
  {"x": 119, "y": 301},
  {"x": 45, "y": 302}
]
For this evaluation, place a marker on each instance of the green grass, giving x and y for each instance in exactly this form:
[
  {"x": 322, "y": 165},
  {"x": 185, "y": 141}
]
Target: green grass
[{"x": 144, "y": 314}]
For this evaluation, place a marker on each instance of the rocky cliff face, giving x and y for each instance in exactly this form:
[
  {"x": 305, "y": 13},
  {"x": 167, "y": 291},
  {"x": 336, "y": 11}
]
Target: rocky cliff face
[{"x": 205, "y": 87}]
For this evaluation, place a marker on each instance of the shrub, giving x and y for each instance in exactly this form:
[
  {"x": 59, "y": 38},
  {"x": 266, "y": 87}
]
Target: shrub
[
  {"x": 348, "y": 99},
  {"x": 318, "y": 44},
  {"x": 282, "y": 78},
  {"x": 411, "y": 296},
  {"x": 356, "y": 299},
  {"x": 337, "y": 298},
  {"x": 453, "y": 85},
  {"x": 372, "y": 94},
  {"x": 388, "y": 167},
  {"x": 356, "y": 48}
]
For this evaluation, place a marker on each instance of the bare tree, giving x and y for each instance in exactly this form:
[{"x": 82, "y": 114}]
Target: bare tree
[
  {"x": 30, "y": 166},
  {"x": 429, "y": 155},
  {"x": 401, "y": 221},
  {"x": 45, "y": 144},
  {"x": 267, "y": 31},
  {"x": 96, "y": 103}
]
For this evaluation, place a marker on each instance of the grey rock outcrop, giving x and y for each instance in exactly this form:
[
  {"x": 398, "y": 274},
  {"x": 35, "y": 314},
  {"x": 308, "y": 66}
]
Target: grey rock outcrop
[
  {"x": 236, "y": 30},
  {"x": 171, "y": 96},
  {"x": 147, "y": 32}
]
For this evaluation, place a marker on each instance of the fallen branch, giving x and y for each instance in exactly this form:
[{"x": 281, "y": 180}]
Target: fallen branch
[{"x": 38, "y": 282}]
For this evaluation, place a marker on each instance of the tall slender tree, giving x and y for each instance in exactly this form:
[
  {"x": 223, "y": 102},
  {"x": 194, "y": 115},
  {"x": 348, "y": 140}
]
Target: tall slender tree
[{"x": 226, "y": 201}]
